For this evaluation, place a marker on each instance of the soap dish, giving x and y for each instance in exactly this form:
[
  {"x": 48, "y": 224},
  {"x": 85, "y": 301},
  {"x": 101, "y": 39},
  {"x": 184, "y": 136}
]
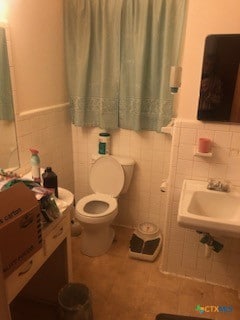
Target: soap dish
[{"x": 202, "y": 154}]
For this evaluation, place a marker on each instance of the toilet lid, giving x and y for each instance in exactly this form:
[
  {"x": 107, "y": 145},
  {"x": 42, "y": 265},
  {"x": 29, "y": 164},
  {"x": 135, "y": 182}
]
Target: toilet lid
[{"x": 107, "y": 176}]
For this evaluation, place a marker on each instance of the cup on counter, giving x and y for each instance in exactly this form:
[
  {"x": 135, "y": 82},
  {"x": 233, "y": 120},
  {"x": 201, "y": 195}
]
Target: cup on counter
[{"x": 204, "y": 145}]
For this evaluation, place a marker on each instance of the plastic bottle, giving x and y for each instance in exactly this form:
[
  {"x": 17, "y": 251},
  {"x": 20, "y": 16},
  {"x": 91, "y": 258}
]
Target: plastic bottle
[
  {"x": 50, "y": 180},
  {"x": 35, "y": 165},
  {"x": 104, "y": 143}
]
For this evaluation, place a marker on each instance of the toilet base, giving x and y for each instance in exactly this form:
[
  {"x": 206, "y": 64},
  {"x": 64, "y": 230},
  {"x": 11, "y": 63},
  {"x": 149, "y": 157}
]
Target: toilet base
[{"x": 95, "y": 242}]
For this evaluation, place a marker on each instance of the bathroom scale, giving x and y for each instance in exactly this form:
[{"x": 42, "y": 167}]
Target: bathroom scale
[
  {"x": 146, "y": 242},
  {"x": 165, "y": 316}
]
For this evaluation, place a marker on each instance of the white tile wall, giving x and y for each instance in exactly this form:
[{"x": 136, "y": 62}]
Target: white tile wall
[
  {"x": 151, "y": 151},
  {"x": 183, "y": 253},
  {"x": 8, "y": 151},
  {"x": 49, "y": 131}
]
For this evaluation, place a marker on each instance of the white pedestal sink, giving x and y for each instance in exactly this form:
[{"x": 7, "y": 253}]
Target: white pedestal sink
[{"x": 215, "y": 212}]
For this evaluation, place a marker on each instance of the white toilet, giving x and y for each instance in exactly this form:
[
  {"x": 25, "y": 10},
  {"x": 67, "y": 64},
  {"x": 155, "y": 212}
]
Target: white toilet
[{"x": 109, "y": 177}]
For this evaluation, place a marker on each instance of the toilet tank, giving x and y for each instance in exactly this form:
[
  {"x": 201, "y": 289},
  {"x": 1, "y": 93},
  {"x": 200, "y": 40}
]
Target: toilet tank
[{"x": 127, "y": 165}]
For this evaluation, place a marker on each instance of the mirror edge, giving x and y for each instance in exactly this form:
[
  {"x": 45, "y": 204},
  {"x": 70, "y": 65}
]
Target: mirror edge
[{"x": 5, "y": 26}]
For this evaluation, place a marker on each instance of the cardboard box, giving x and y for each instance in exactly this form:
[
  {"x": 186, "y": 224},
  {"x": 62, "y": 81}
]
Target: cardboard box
[{"x": 20, "y": 226}]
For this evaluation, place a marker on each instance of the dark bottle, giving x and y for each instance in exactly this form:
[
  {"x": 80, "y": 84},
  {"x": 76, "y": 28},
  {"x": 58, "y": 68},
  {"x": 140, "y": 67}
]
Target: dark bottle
[{"x": 50, "y": 180}]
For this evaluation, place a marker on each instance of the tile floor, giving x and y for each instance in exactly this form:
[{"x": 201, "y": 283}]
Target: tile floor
[{"x": 124, "y": 288}]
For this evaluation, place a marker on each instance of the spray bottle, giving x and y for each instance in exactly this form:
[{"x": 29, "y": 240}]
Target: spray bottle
[{"x": 35, "y": 165}]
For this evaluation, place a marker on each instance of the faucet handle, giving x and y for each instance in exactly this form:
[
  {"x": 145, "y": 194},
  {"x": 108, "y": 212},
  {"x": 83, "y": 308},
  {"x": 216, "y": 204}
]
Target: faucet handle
[
  {"x": 226, "y": 186},
  {"x": 218, "y": 185},
  {"x": 211, "y": 183}
]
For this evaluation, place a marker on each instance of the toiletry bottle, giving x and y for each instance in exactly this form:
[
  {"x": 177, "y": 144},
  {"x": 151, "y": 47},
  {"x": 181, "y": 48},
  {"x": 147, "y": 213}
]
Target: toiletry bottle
[
  {"x": 104, "y": 143},
  {"x": 50, "y": 180},
  {"x": 35, "y": 165}
]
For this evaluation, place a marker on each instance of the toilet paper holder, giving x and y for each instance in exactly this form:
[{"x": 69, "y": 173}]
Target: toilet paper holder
[{"x": 164, "y": 185}]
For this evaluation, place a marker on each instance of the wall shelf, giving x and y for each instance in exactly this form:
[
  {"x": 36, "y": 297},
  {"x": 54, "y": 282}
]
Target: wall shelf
[{"x": 202, "y": 154}]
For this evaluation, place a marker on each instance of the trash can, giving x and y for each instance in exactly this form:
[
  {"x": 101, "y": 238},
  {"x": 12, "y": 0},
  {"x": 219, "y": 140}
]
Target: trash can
[{"x": 75, "y": 302}]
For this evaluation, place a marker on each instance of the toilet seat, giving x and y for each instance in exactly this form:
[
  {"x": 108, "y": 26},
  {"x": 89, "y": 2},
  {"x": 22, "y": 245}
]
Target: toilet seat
[
  {"x": 107, "y": 176},
  {"x": 107, "y": 181},
  {"x": 110, "y": 201}
]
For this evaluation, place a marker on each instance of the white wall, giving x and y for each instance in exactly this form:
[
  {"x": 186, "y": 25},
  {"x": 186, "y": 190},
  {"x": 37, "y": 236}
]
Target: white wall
[
  {"x": 183, "y": 253},
  {"x": 40, "y": 81},
  {"x": 49, "y": 131},
  {"x": 39, "y": 85},
  {"x": 8, "y": 154},
  {"x": 144, "y": 201},
  {"x": 203, "y": 18},
  {"x": 37, "y": 46}
]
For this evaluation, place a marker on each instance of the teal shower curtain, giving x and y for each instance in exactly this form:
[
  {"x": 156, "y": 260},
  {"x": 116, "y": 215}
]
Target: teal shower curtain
[
  {"x": 119, "y": 55},
  {"x": 6, "y": 101}
]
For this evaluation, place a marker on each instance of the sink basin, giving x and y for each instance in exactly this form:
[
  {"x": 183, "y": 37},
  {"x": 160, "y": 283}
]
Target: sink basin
[{"x": 210, "y": 211}]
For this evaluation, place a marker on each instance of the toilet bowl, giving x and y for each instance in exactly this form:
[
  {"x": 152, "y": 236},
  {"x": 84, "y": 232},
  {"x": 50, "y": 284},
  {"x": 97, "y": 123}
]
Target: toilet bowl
[{"x": 97, "y": 211}]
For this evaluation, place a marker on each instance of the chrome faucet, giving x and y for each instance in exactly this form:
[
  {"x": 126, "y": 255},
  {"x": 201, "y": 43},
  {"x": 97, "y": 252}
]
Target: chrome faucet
[{"x": 217, "y": 185}]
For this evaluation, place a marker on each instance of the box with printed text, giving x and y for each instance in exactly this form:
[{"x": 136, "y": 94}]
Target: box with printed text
[{"x": 20, "y": 226}]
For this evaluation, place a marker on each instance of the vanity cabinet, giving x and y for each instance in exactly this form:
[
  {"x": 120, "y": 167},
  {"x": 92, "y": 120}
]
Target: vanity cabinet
[{"x": 37, "y": 281}]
